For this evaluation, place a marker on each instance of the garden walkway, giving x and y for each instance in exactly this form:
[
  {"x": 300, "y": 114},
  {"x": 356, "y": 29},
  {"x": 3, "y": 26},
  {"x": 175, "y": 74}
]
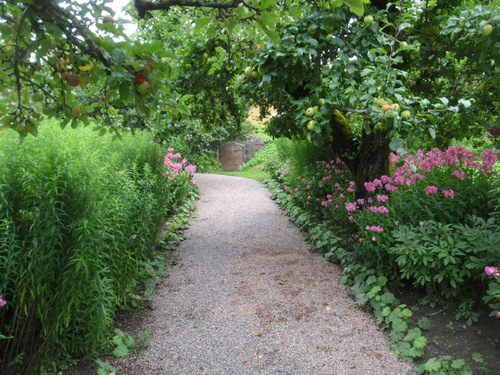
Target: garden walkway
[{"x": 248, "y": 297}]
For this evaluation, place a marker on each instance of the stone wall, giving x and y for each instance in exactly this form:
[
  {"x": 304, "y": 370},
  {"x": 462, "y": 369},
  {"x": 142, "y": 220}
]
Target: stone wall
[{"x": 232, "y": 154}]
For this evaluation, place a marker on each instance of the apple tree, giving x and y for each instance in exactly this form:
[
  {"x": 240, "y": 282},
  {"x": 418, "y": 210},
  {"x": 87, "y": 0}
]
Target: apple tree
[{"x": 352, "y": 83}]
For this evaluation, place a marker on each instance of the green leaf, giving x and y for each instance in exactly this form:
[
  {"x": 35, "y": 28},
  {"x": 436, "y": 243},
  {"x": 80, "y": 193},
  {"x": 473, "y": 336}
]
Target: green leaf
[
  {"x": 432, "y": 132},
  {"x": 395, "y": 144},
  {"x": 424, "y": 323},
  {"x": 212, "y": 31},
  {"x": 202, "y": 22},
  {"x": 267, "y": 3},
  {"x": 121, "y": 351},
  {"x": 118, "y": 56},
  {"x": 420, "y": 342},
  {"x": 356, "y": 6}
]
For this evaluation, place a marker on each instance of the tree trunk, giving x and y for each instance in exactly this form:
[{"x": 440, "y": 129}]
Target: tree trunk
[{"x": 373, "y": 160}]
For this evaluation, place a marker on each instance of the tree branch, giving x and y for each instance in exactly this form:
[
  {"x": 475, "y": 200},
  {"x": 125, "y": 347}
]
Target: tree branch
[{"x": 144, "y": 6}]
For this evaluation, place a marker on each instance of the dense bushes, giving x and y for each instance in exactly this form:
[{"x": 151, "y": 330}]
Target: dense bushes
[
  {"x": 79, "y": 217},
  {"x": 432, "y": 224}
]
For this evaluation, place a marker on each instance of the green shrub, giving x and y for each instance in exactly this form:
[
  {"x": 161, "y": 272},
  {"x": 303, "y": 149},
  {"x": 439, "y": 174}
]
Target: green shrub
[{"x": 79, "y": 216}]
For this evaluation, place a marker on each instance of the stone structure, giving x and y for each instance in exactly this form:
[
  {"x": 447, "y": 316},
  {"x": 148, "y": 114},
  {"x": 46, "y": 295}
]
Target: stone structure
[{"x": 232, "y": 154}]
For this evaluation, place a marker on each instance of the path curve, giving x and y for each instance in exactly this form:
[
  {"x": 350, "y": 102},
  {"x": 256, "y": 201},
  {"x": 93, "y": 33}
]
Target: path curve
[{"x": 248, "y": 297}]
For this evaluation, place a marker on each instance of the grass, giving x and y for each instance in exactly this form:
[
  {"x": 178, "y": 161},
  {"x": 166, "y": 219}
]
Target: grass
[{"x": 255, "y": 173}]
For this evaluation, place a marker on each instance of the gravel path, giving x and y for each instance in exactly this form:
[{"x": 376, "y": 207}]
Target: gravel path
[{"x": 248, "y": 297}]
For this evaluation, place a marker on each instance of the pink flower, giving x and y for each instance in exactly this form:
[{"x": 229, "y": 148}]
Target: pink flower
[
  {"x": 374, "y": 238},
  {"x": 308, "y": 186},
  {"x": 170, "y": 149},
  {"x": 192, "y": 182},
  {"x": 350, "y": 190},
  {"x": 458, "y": 174},
  {"x": 383, "y": 210},
  {"x": 431, "y": 189},
  {"x": 489, "y": 270},
  {"x": 190, "y": 168},
  {"x": 308, "y": 197},
  {"x": 369, "y": 186},
  {"x": 382, "y": 198},
  {"x": 350, "y": 207},
  {"x": 2, "y": 302},
  {"x": 449, "y": 193},
  {"x": 304, "y": 180},
  {"x": 134, "y": 236},
  {"x": 421, "y": 223}
]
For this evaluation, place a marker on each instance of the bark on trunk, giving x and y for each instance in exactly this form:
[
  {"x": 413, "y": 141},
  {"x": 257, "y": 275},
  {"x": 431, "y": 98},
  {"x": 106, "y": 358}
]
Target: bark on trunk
[{"x": 373, "y": 161}]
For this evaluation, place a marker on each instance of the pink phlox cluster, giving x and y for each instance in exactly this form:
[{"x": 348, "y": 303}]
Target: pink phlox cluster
[
  {"x": 370, "y": 186},
  {"x": 375, "y": 228},
  {"x": 351, "y": 207},
  {"x": 304, "y": 180},
  {"x": 489, "y": 159},
  {"x": 190, "y": 168},
  {"x": 326, "y": 178},
  {"x": 431, "y": 189},
  {"x": 285, "y": 171},
  {"x": 382, "y": 198},
  {"x": 2, "y": 301},
  {"x": 488, "y": 269},
  {"x": 458, "y": 174},
  {"x": 449, "y": 193}
]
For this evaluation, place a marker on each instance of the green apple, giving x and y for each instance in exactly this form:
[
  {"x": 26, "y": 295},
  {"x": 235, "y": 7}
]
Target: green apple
[
  {"x": 310, "y": 112},
  {"x": 248, "y": 71},
  {"x": 143, "y": 88},
  {"x": 38, "y": 97},
  {"x": 487, "y": 29},
  {"x": 255, "y": 74},
  {"x": 403, "y": 44},
  {"x": 322, "y": 102},
  {"x": 311, "y": 125},
  {"x": 328, "y": 37},
  {"x": 368, "y": 19},
  {"x": 381, "y": 102},
  {"x": 406, "y": 114}
]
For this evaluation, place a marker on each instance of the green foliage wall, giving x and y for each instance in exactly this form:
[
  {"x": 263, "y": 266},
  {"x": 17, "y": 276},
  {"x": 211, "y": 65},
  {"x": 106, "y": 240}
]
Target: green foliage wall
[{"x": 79, "y": 215}]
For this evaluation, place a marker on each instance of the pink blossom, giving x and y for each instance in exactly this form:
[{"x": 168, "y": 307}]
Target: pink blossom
[
  {"x": 489, "y": 270},
  {"x": 449, "y": 193},
  {"x": 350, "y": 207},
  {"x": 308, "y": 197},
  {"x": 170, "y": 149},
  {"x": 351, "y": 218},
  {"x": 2, "y": 301},
  {"x": 396, "y": 222},
  {"x": 296, "y": 189},
  {"x": 190, "y": 168},
  {"x": 458, "y": 174},
  {"x": 400, "y": 180},
  {"x": 374, "y": 238},
  {"x": 369, "y": 186},
  {"x": 192, "y": 181},
  {"x": 383, "y": 210},
  {"x": 341, "y": 196},
  {"x": 350, "y": 190},
  {"x": 382, "y": 198},
  {"x": 421, "y": 223},
  {"x": 285, "y": 187},
  {"x": 304, "y": 180},
  {"x": 373, "y": 209},
  {"x": 431, "y": 189},
  {"x": 360, "y": 201},
  {"x": 308, "y": 186}
]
